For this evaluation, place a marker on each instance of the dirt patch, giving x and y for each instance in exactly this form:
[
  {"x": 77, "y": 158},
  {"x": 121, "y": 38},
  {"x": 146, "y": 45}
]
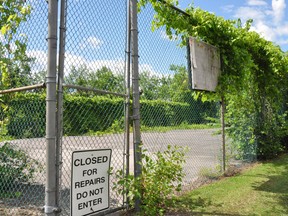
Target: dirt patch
[
  {"x": 27, "y": 211},
  {"x": 232, "y": 170},
  {"x": 236, "y": 170}
]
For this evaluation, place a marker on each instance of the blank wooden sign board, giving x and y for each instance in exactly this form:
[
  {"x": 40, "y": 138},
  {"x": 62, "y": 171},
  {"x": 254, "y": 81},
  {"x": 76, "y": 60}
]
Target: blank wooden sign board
[{"x": 204, "y": 65}]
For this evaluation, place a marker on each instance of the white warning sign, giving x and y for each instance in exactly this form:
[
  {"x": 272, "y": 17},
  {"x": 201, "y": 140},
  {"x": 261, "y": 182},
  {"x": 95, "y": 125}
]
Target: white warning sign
[{"x": 90, "y": 181}]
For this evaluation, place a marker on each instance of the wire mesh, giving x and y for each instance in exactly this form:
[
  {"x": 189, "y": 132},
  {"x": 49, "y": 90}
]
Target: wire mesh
[
  {"x": 169, "y": 113},
  {"x": 24, "y": 51},
  {"x": 95, "y": 44},
  {"x": 22, "y": 146},
  {"x": 91, "y": 122},
  {"x": 22, "y": 153},
  {"x": 94, "y": 59}
]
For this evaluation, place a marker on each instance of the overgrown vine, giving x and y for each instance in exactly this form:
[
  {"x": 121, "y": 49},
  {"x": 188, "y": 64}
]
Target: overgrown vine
[{"x": 254, "y": 75}]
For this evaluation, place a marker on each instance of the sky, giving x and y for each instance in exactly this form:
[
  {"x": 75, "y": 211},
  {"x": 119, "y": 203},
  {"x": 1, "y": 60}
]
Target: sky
[
  {"x": 270, "y": 17},
  {"x": 96, "y": 32}
]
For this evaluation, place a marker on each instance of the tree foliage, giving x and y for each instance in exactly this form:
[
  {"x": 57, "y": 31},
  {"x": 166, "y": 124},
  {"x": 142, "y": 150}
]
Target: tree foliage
[
  {"x": 103, "y": 78},
  {"x": 172, "y": 87},
  {"x": 254, "y": 74},
  {"x": 14, "y": 63}
]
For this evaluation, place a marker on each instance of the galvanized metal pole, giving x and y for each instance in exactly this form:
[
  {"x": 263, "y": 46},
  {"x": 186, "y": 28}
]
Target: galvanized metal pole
[
  {"x": 127, "y": 102},
  {"x": 51, "y": 207},
  {"x": 59, "y": 118},
  {"x": 136, "y": 97},
  {"x": 25, "y": 88},
  {"x": 223, "y": 133}
]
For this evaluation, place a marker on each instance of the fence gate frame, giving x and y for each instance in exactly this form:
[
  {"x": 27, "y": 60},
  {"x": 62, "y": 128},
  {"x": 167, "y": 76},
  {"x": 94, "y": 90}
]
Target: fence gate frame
[
  {"x": 51, "y": 207},
  {"x": 54, "y": 102}
]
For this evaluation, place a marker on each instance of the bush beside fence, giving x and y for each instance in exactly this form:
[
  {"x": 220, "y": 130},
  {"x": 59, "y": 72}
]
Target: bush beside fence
[{"x": 25, "y": 116}]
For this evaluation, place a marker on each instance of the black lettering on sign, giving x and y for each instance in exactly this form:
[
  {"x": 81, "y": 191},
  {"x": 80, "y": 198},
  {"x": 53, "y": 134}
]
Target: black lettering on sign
[
  {"x": 89, "y": 182},
  {"x": 89, "y": 204},
  {"x": 96, "y": 191},
  {"x": 90, "y": 160},
  {"x": 90, "y": 172},
  {"x": 82, "y": 195}
]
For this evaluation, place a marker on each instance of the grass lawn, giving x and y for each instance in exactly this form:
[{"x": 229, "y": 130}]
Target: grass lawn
[{"x": 260, "y": 190}]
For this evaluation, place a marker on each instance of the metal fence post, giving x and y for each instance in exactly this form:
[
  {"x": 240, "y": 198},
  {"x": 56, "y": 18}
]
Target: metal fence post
[
  {"x": 127, "y": 101},
  {"x": 50, "y": 207},
  {"x": 59, "y": 118},
  {"x": 136, "y": 96},
  {"x": 223, "y": 133}
]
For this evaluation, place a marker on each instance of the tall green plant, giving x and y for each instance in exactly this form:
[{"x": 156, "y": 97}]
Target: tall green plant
[{"x": 162, "y": 174}]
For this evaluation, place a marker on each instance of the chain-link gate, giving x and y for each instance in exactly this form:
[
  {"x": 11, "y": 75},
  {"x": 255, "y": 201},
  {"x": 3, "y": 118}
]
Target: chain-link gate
[
  {"x": 93, "y": 87},
  {"x": 91, "y": 122},
  {"x": 90, "y": 100}
]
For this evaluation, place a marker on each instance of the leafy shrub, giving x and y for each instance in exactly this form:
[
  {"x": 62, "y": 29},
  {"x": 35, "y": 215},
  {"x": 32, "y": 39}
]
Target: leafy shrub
[
  {"x": 162, "y": 113},
  {"x": 83, "y": 114},
  {"x": 259, "y": 130},
  {"x": 26, "y": 116},
  {"x": 162, "y": 174},
  {"x": 15, "y": 167}
]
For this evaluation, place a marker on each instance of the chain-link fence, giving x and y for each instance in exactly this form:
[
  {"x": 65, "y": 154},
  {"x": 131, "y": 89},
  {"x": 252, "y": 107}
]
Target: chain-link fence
[
  {"x": 91, "y": 106},
  {"x": 22, "y": 153},
  {"x": 184, "y": 121},
  {"x": 94, "y": 63},
  {"x": 22, "y": 147},
  {"x": 91, "y": 122}
]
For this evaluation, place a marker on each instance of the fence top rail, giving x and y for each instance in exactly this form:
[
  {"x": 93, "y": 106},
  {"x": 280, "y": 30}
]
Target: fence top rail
[
  {"x": 175, "y": 8},
  {"x": 97, "y": 91},
  {"x": 24, "y": 88}
]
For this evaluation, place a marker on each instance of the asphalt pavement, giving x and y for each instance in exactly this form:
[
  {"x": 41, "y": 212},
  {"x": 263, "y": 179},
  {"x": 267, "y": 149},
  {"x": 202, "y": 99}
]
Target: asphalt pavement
[
  {"x": 204, "y": 153},
  {"x": 204, "y": 149}
]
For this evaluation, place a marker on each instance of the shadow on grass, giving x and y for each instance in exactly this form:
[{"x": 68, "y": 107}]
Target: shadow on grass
[
  {"x": 200, "y": 214},
  {"x": 192, "y": 206},
  {"x": 270, "y": 180},
  {"x": 277, "y": 183}
]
